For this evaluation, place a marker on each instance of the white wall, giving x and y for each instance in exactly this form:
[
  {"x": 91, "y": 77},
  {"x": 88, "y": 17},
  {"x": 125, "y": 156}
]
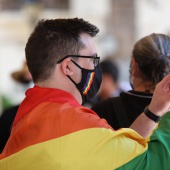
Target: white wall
[{"x": 152, "y": 16}]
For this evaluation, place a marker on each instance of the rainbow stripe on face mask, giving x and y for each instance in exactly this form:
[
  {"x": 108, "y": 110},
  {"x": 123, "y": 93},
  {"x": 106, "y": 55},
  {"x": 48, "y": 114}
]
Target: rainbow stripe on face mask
[{"x": 88, "y": 83}]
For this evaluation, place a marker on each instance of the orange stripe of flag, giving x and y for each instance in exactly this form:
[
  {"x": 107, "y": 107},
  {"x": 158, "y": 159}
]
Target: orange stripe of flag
[{"x": 49, "y": 121}]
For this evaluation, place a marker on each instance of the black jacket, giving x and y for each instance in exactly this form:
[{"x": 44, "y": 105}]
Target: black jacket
[
  {"x": 132, "y": 102},
  {"x": 6, "y": 121}
]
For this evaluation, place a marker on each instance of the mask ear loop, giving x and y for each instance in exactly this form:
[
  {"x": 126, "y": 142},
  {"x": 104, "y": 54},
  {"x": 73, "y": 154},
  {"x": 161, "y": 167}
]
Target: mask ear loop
[
  {"x": 77, "y": 64},
  {"x": 81, "y": 67},
  {"x": 83, "y": 97},
  {"x": 78, "y": 67}
]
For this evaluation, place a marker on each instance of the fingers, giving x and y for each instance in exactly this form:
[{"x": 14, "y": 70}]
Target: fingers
[
  {"x": 164, "y": 85},
  {"x": 160, "y": 103}
]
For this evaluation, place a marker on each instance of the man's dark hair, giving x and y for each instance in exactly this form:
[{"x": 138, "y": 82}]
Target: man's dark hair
[{"x": 51, "y": 40}]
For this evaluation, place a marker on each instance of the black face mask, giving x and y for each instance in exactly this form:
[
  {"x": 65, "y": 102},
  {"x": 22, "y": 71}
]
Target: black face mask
[
  {"x": 130, "y": 77},
  {"x": 90, "y": 82}
]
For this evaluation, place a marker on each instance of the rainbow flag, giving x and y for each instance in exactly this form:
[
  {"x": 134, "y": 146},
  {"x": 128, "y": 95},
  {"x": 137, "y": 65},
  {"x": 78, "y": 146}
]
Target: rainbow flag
[{"x": 53, "y": 132}]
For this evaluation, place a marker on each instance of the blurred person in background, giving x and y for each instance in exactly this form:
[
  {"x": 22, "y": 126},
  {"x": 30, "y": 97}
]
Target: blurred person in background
[
  {"x": 23, "y": 77},
  {"x": 150, "y": 63},
  {"x": 110, "y": 75},
  {"x": 109, "y": 86}
]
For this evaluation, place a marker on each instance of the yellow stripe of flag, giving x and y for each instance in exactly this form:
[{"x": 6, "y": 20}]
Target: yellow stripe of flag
[{"x": 83, "y": 150}]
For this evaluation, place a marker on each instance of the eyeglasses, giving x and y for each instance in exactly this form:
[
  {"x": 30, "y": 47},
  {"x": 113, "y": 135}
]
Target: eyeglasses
[{"x": 96, "y": 60}]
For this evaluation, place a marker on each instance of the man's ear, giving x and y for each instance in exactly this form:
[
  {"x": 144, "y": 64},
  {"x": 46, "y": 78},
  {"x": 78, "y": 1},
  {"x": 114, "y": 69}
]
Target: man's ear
[{"x": 66, "y": 67}]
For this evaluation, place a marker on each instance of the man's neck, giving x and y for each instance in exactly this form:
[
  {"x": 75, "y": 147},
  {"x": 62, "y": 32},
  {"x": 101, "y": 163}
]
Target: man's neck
[{"x": 68, "y": 87}]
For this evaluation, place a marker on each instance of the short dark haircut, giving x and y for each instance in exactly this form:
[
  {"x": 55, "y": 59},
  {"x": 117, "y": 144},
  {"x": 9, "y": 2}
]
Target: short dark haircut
[
  {"x": 152, "y": 54},
  {"x": 53, "y": 39},
  {"x": 110, "y": 68}
]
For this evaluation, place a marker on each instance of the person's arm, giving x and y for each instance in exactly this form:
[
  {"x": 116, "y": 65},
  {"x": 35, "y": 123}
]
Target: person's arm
[
  {"x": 143, "y": 125},
  {"x": 159, "y": 105},
  {"x": 157, "y": 154}
]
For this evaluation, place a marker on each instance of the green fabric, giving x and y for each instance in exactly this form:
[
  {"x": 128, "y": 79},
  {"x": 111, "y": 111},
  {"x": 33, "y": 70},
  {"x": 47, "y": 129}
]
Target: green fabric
[
  {"x": 6, "y": 103},
  {"x": 157, "y": 157}
]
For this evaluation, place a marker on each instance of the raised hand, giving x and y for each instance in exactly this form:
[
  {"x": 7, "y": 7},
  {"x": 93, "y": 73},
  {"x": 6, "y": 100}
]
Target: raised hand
[{"x": 160, "y": 103}]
